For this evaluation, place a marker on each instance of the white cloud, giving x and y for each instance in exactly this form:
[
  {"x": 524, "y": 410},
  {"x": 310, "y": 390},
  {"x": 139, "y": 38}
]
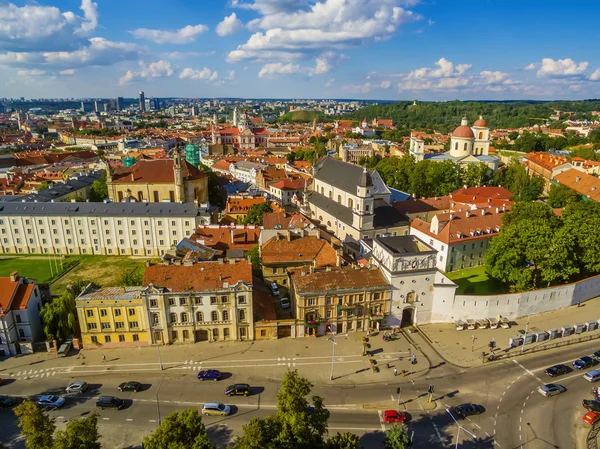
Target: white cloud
[
  {"x": 32, "y": 72},
  {"x": 184, "y": 35},
  {"x": 595, "y": 76},
  {"x": 160, "y": 69},
  {"x": 330, "y": 82},
  {"x": 493, "y": 77},
  {"x": 204, "y": 74},
  {"x": 445, "y": 69},
  {"x": 187, "y": 54},
  {"x": 279, "y": 68},
  {"x": 326, "y": 62},
  {"x": 561, "y": 67},
  {"x": 430, "y": 22},
  {"x": 323, "y": 64},
  {"x": 230, "y": 25},
  {"x": 531, "y": 66},
  {"x": 385, "y": 84},
  {"x": 100, "y": 52},
  {"x": 37, "y": 28},
  {"x": 271, "y": 6},
  {"x": 68, "y": 72},
  {"x": 262, "y": 56},
  {"x": 230, "y": 76}
]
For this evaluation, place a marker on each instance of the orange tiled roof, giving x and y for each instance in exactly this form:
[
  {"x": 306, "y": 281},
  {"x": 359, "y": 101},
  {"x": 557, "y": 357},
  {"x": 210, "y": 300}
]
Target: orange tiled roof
[
  {"x": 155, "y": 170},
  {"x": 22, "y": 296},
  {"x": 289, "y": 184},
  {"x": 545, "y": 160},
  {"x": 203, "y": 276},
  {"x": 584, "y": 184},
  {"x": 302, "y": 249},
  {"x": 323, "y": 281},
  {"x": 224, "y": 238},
  {"x": 239, "y": 205}
]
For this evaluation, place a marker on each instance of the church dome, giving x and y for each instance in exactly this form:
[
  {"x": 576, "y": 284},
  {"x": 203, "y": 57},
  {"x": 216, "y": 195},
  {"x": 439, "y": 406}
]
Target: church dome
[
  {"x": 481, "y": 123},
  {"x": 365, "y": 179},
  {"x": 463, "y": 131}
]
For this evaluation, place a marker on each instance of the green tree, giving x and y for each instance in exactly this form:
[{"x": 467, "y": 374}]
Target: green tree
[
  {"x": 36, "y": 426},
  {"x": 260, "y": 433},
  {"x": 180, "y": 430},
  {"x": 131, "y": 278},
  {"x": 474, "y": 175},
  {"x": 79, "y": 434},
  {"x": 43, "y": 186},
  {"x": 582, "y": 220},
  {"x": 215, "y": 195},
  {"x": 344, "y": 440},
  {"x": 255, "y": 258},
  {"x": 560, "y": 196},
  {"x": 256, "y": 212},
  {"x": 513, "y": 135},
  {"x": 59, "y": 317},
  {"x": 396, "y": 437},
  {"x": 99, "y": 189}
]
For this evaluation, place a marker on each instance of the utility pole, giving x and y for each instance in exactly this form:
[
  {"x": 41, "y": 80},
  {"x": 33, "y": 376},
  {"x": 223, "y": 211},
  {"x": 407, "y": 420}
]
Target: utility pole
[
  {"x": 333, "y": 344},
  {"x": 473, "y": 338},
  {"x": 526, "y": 330}
]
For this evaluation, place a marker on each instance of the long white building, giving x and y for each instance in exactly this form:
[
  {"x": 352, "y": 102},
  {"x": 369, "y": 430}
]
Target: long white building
[{"x": 144, "y": 229}]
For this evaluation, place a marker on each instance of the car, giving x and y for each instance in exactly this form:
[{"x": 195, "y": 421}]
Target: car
[
  {"x": 596, "y": 355},
  {"x": 592, "y": 376},
  {"x": 551, "y": 390},
  {"x": 216, "y": 408},
  {"x": 311, "y": 410},
  {"x": 109, "y": 402},
  {"x": 393, "y": 416},
  {"x": 592, "y": 406},
  {"x": 7, "y": 401},
  {"x": 209, "y": 374},
  {"x": 557, "y": 370},
  {"x": 238, "y": 390},
  {"x": 464, "y": 410},
  {"x": 274, "y": 289},
  {"x": 51, "y": 401},
  {"x": 132, "y": 385},
  {"x": 583, "y": 362},
  {"x": 285, "y": 303},
  {"x": 77, "y": 387},
  {"x": 591, "y": 417},
  {"x": 0, "y": 381}
]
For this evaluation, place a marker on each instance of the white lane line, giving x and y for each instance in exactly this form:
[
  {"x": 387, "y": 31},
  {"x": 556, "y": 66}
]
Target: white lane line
[
  {"x": 105, "y": 419},
  {"x": 129, "y": 419},
  {"x": 380, "y": 413},
  {"x": 152, "y": 420},
  {"x": 477, "y": 425},
  {"x": 60, "y": 417},
  {"x": 528, "y": 371},
  {"x": 435, "y": 428},
  {"x": 489, "y": 436}
]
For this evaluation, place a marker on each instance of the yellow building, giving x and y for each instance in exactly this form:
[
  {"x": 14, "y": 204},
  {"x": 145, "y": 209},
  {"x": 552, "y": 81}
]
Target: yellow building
[{"x": 113, "y": 317}]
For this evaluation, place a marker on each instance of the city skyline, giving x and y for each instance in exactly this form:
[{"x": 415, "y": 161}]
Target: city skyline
[{"x": 370, "y": 49}]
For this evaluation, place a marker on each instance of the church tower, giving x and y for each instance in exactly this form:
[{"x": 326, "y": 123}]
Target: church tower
[
  {"x": 461, "y": 142},
  {"x": 363, "y": 211},
  {"x": 178, "y": 177},
  {"x": 482, "y": 137}
]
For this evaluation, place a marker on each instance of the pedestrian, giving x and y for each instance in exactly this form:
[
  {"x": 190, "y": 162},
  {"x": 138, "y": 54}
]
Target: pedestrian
[
  {"x": 395, "y": 372},
  {"x": 578, "y": 303},
  {"x": 103, "y": 358},
  {"x": 368, "y": 333}
]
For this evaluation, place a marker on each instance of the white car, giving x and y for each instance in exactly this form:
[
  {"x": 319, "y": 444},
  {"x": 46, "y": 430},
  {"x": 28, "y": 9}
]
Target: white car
[
  {"x": 77, "y": 387},
  {"x": 274, "y": 289},
  {"x": 285, "y": 303},
  {"x": 551, "y": 390}
]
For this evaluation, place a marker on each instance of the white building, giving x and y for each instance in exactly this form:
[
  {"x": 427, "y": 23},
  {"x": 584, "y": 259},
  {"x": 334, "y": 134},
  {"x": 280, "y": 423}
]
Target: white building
[
  {"x": 144, "y": 229},
  {"x": 20, "y": 305}
]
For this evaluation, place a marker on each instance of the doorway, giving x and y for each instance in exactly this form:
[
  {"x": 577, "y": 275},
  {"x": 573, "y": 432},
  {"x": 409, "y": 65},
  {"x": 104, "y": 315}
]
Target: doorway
[{"x": 407, "y": 317}]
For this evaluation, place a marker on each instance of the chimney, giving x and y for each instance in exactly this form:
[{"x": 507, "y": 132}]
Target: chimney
[
  {"x": 132, "y": 177},
  {"x": 14, "y": 276},
  {"x": 468, "y": 214},
  {"x": 220, "y": 277},
  {"x": 482, "y": 212},
  {"x": 577, "y": 179},
  {"x": 451, "y": 216}
]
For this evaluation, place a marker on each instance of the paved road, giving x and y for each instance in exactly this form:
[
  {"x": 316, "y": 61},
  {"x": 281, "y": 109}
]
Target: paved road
[{"x": 516, "y": 415}]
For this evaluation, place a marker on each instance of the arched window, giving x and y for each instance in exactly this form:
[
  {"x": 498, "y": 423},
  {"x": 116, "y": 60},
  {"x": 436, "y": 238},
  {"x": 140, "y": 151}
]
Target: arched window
[
  {"x": 330, "y": 195},
  {"x": 214, "y": 316},
  {"x": 155, "y": 318},
  {"x": 481, "y": 134},
  {"x": 465, "y": 147},
  {"x": 184, "y": 317},
  {"x": 339, "y": 199},
  {"x": 242, "y": 314},
  {"x": 350, "y": 203},
  {"x": 172, "y": 318},
  {"x": 322, "y": 191},
  {"x": 456, "y": 146},
  {"x": 225, "y": 315},
  {"x": 21, "y": 333},
  {"x": 199, "y": 317}
]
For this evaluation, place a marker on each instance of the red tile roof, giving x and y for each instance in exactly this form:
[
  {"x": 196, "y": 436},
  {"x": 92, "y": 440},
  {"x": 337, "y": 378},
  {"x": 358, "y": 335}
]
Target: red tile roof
[
  {"x": 224, "y": 238},
  {"x": 545, "y": 160},
  {"x": 22, "y": 297},
  {"x": 324, "y": 281},
  {"x": 155, "y": 171},
  {"x": 584, "y": 184},
  {"x": 238, "y": 205},
  {"x": 289, "y": 184},
  {"x": 204, "y": 276},
  {"x": 303, "y": 249}
]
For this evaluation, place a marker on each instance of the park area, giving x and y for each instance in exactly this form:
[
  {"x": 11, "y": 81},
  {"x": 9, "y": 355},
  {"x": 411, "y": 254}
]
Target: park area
[
  {"x": 59, "y": 272},
  {"x": 475, "y": 281}
]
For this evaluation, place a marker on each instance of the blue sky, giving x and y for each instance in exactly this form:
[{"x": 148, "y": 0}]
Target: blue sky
[{"x": 372, "y": 49}]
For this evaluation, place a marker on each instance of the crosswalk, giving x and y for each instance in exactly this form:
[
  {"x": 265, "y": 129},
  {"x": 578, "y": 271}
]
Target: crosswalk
[{"x": 37, "y": 373}]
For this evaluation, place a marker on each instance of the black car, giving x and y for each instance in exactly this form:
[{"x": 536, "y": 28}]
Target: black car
[
  {"x": 130, "y": 386},
  {"x": 7, "y": 401},
  {"x": 109, "y": 402},
  {"x": 558, "y": 370},
  {"x": 464, "y": 410},
  {"x": 592, "y": 406},
  {"x": 238, "y": 390}
]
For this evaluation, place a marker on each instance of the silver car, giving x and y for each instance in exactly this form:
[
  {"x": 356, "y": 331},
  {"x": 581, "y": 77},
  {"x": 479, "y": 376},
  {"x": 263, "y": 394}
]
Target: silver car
[
  {"x": 551, "y": 389},
  {"x": 77, "y": 387}
]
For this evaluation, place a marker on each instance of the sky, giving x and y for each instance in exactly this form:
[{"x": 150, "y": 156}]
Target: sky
[{"x": 363, "y": 49}]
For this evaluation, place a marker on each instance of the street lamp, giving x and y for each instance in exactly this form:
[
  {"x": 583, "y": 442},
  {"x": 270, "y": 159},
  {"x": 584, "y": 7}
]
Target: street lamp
[
  {"x": 526, "y": 331},
  {"x": 155, "y": 331},
  {"x": 333, "y": 344},
  {"x": 459, "y": 428}
]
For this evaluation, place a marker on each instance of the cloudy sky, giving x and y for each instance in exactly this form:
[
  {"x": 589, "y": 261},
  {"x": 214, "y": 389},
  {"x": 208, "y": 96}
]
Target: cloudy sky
[{"x": 376, "y": 49}]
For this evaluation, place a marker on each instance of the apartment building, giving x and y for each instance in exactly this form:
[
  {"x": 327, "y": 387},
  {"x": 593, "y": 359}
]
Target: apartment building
[
  {"x": 143, "y": 229},
  {"x": 113, "y": 317},
  {"x": 206, "y": 301},
  {"x": 339, "y": 300}
]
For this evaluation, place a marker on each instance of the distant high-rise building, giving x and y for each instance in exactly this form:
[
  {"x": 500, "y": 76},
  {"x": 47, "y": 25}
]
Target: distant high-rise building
[
  {"x": 97, "y": 106},
  {"x": 155, "y": 104},
  {"x": 195, "y": 111},
  {"x": 119, "y": 103},
  {"x": 106, "y": 107},
  {"x": 142, "y": 101},
  {"x": 82, "y": 106}
]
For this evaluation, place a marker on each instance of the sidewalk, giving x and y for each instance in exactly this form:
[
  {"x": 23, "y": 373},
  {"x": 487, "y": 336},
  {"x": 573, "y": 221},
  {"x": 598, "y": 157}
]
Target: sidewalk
[
  {"x": 312, "y": 357},
  {"x": 459, "y": 347}
]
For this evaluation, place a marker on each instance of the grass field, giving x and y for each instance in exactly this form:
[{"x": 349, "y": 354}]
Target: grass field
[
  {"x": 104, "y": 270},
  {"x": 474, "y": 281}
]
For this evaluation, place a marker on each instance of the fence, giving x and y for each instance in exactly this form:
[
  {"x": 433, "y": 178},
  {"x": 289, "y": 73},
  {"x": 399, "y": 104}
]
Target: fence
[{"x": 592, "y": 438}]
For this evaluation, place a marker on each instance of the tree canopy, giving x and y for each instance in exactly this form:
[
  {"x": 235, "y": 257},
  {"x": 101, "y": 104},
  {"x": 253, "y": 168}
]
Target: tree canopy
[
  {"x": 99, "y": 189},
  {"x": 560, "y": 196},
  {"x": 36, "y": 426},
  {"x": 256, "y": 212},
  {"x": 180, "y": 430},
  {"x": 396, "y": 437},
  {"x": 79, "y": 434}
]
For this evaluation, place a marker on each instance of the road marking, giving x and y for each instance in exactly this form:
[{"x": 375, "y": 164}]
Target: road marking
[
  {"x": 489, "y": 436},
  {"x": 477, "y": 425},
  {"x": 60, "y": 417},
  {"x": 105, "y": 419},
  {"x": 152, "y": 420},
  {"x": 435, "y": 428},
  {"x": 380, "y": 413},
  {"x": 528, "y": 371}
]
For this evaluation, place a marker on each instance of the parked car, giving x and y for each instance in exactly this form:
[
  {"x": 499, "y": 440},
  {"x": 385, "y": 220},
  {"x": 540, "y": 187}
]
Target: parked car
[
  {"x": 216, "y": 408},
  {"x": 285, "y": 303},
  {"x": 132, "y": 385},
  {"x": 0, "y": 381},
  {"x": 592, "y": 406},
  {"x": 551, "y": 390},
  {"x": 592, "y": 376},
  {"x": 109, "y": 402},
  {"x": 558, "y": 370},
  {"x": 209, "y": 374},
  {"x": 77, "y": 387},
  {"x": 596, "y": 355},
  {"x": 464, "y": 410},
  {"x": 274, "y": 289},
  {"x": 64, "y": 349},
  {"x": 7, "y": 401},
  {"x": 51, "y": 402},
  {"x": 392, "y": 416},
  {"x": 311, "y": 410},
  {"x": 238, "y": 390},
  {"x": 591, "y": 417},
  {"x": 583, "y": 362}
]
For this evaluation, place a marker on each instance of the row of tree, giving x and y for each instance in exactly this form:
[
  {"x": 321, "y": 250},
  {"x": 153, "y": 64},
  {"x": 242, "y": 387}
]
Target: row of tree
[{"x": 296, "y": 424}]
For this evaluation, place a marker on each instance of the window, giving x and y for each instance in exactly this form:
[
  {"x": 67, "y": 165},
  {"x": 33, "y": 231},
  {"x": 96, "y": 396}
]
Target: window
[
  {"x": 121, "y": 338},
  {"x": 215, "y": 333},
  {"x": 198, "y": 300},
  {"x": 117, "y": 312},
  {"x": 184, "y": 317},
  {"x": 225, "y": 315},
  {"x": 174, "y": 335},
  {"x": 225, "y": 334},
  {"x": 105, "y": 325},
  {"x": 172, "y": 318},
  {"x": 131, "y": 312},
  {"x": 136, "y": 337},
  {"x": 327, "y": 300},
  {"x": 224, "y": 299},
  {"x": 103, "y": 312},
  {"x": 171, "y": 301},
  {"x": 186, "y": 335},
  {"x": 214, "y": 316},
  {"x": 182, "y": 301},
  {"x": 133, "y": 324},
  {"x": 90, "y": 313},
  {"x": 213, "y": 299},
  {"x": 263, "y": 333},
  {"x": 311, "y": 301},
  {"x": 92, "y": 326},
  {"x": 274, "y": 270},
  {"x": 328, "y": 314},
  {"x": 359, "y": 311},
  {"x": 94, "y": 339},
  {"x": 376, "y": 296},
  {"x": 153, "y": 303},
  {"x": 242, "y": 332},
  {"x": 241, "y": 299},
  {"x": 107, "y": 339},
  {"x": 199, "y": 317},
  {"x": 119, "y": 325}
]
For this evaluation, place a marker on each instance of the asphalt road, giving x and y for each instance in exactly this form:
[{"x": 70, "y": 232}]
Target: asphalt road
[{"x": 515, "y": 414}]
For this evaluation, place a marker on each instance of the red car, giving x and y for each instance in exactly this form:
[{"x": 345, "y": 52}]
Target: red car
[
  {"x": 393, "y": 416},
  {"x": 591, "y": 417}
]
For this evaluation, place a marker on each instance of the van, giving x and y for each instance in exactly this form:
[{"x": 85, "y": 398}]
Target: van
[
  {"x": 64, "y": 349},
  {"x": 592, "y": 376}
]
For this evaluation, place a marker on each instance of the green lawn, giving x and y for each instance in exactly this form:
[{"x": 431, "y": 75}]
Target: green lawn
[
  {"x": 27, "y": 267},
  {"x": 474, "y": 281}
]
